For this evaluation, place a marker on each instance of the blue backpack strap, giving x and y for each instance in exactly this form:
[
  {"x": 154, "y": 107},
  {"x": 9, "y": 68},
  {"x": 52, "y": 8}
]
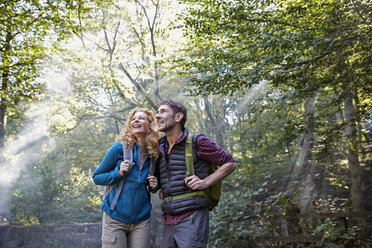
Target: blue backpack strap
[{"x": 127, "y": 155}]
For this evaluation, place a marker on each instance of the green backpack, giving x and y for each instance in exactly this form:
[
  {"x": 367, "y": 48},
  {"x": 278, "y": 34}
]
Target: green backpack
[{"x": 212, "y": 193}]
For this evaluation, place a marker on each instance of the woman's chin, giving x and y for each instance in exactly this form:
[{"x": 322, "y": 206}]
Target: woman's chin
[{"x": 139, "y": 133}]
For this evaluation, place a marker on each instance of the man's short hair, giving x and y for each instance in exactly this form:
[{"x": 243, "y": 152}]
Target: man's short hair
[{"x": 177, "y": 107}]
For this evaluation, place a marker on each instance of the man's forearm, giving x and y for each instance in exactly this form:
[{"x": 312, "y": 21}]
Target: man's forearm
[
  {"x": 222, "y": 172},
  {"x": 195, "y": 183}
]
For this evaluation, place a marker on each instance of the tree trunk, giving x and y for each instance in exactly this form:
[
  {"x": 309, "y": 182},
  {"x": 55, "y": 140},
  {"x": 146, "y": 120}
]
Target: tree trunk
[
  {"x": 352, "y": 154},
  {"x": 2, "y": 122},
  {"x": 308, "y": 138},
  {"x": 360, "y": 133},
  {"x": 216, "y": 129},
  {"x": 151, "y": 23},
  {"x": 242, "y": 138},
  {"x": 222, "y": 120},
  {"x": 308, "y": 168},
  {"x": 201, "y": 126},
  {"x": 4, "y": 86},
  {"x": 302, "y": 171}
]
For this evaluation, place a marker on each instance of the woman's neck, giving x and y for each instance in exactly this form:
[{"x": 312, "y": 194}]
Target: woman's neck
[{"x": 141, "y": 141}]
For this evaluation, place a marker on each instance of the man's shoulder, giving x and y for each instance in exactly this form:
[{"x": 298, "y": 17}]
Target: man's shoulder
[{"x": 199, "y": 137}]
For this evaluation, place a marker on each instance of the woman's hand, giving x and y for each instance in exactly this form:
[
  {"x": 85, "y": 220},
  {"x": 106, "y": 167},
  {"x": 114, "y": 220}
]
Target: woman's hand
[
  {"x": 124, "y": 168},
  {"x": 161, "y": 197},
  {"x": 153, "y": 181}
]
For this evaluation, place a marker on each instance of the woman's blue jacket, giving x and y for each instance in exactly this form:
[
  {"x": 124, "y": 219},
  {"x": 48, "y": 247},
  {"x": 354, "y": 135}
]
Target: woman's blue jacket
[{"x": 134, "y": 203}]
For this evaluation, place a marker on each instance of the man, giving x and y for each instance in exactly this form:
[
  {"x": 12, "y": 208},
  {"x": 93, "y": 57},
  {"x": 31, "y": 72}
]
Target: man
[{"x": 186, "y": 220}]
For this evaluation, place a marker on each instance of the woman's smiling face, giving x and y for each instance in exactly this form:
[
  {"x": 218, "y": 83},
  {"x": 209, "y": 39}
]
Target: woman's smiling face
[{"x": 140, "y": 124}]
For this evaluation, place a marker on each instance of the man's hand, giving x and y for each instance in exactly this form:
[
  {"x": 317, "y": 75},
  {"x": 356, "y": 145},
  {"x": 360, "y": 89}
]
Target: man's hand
[
  {"x": 124, "y": 168},
  {"x": 153, "y": 181},
  {"x": 195, "y": 183}
]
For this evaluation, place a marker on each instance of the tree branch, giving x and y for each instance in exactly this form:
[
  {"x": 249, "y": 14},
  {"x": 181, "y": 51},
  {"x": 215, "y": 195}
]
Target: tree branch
[
  {"x": 357, "y": 10},
  {"x": 138, "y": 86}
]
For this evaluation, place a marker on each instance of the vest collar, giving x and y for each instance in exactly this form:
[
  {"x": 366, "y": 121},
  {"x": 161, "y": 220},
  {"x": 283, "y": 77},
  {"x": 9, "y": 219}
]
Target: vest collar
[{"x": 163, "y": 142}]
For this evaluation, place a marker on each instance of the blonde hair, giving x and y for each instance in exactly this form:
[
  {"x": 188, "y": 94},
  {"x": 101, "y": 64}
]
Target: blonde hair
[{"x": 151, "y": 138}]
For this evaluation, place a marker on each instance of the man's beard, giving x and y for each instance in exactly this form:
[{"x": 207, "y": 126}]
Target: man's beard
[{"x": 168, "y": 126}]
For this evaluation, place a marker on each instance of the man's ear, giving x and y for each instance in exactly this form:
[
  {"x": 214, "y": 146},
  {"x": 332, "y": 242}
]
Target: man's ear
[{"x": 178, "y": 117}]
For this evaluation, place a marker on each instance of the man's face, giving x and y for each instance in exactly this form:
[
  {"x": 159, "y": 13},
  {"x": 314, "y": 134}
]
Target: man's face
[{"x": 165, "y": 118}]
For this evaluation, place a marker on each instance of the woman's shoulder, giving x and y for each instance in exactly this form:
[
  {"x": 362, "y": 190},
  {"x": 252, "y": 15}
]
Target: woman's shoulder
[
  {"x": 117, "y": 145},
  {"x": 121, "y": 144}
]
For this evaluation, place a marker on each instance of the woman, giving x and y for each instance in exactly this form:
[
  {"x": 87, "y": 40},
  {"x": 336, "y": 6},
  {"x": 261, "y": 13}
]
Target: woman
[{"x": 127, "y": 223}]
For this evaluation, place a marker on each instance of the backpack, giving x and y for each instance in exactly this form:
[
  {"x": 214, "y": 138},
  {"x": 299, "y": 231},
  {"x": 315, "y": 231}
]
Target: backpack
[
  {"x": 127, "y": 155},
  {"x": 212, "y": 193}
]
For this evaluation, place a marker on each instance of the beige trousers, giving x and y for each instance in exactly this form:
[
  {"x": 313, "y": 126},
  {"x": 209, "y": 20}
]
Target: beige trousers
[{"x": 116, "y": 234}]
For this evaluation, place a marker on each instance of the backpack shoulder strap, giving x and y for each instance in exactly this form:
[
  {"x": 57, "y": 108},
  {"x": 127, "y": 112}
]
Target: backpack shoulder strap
[
  {"x": 189, "y": 156},
  {"x": 152, "y": 167},
  {"x": 106, "y": 191},
  {"x": 127, "y": 155},
  {"x": 190, "y": 153}
]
